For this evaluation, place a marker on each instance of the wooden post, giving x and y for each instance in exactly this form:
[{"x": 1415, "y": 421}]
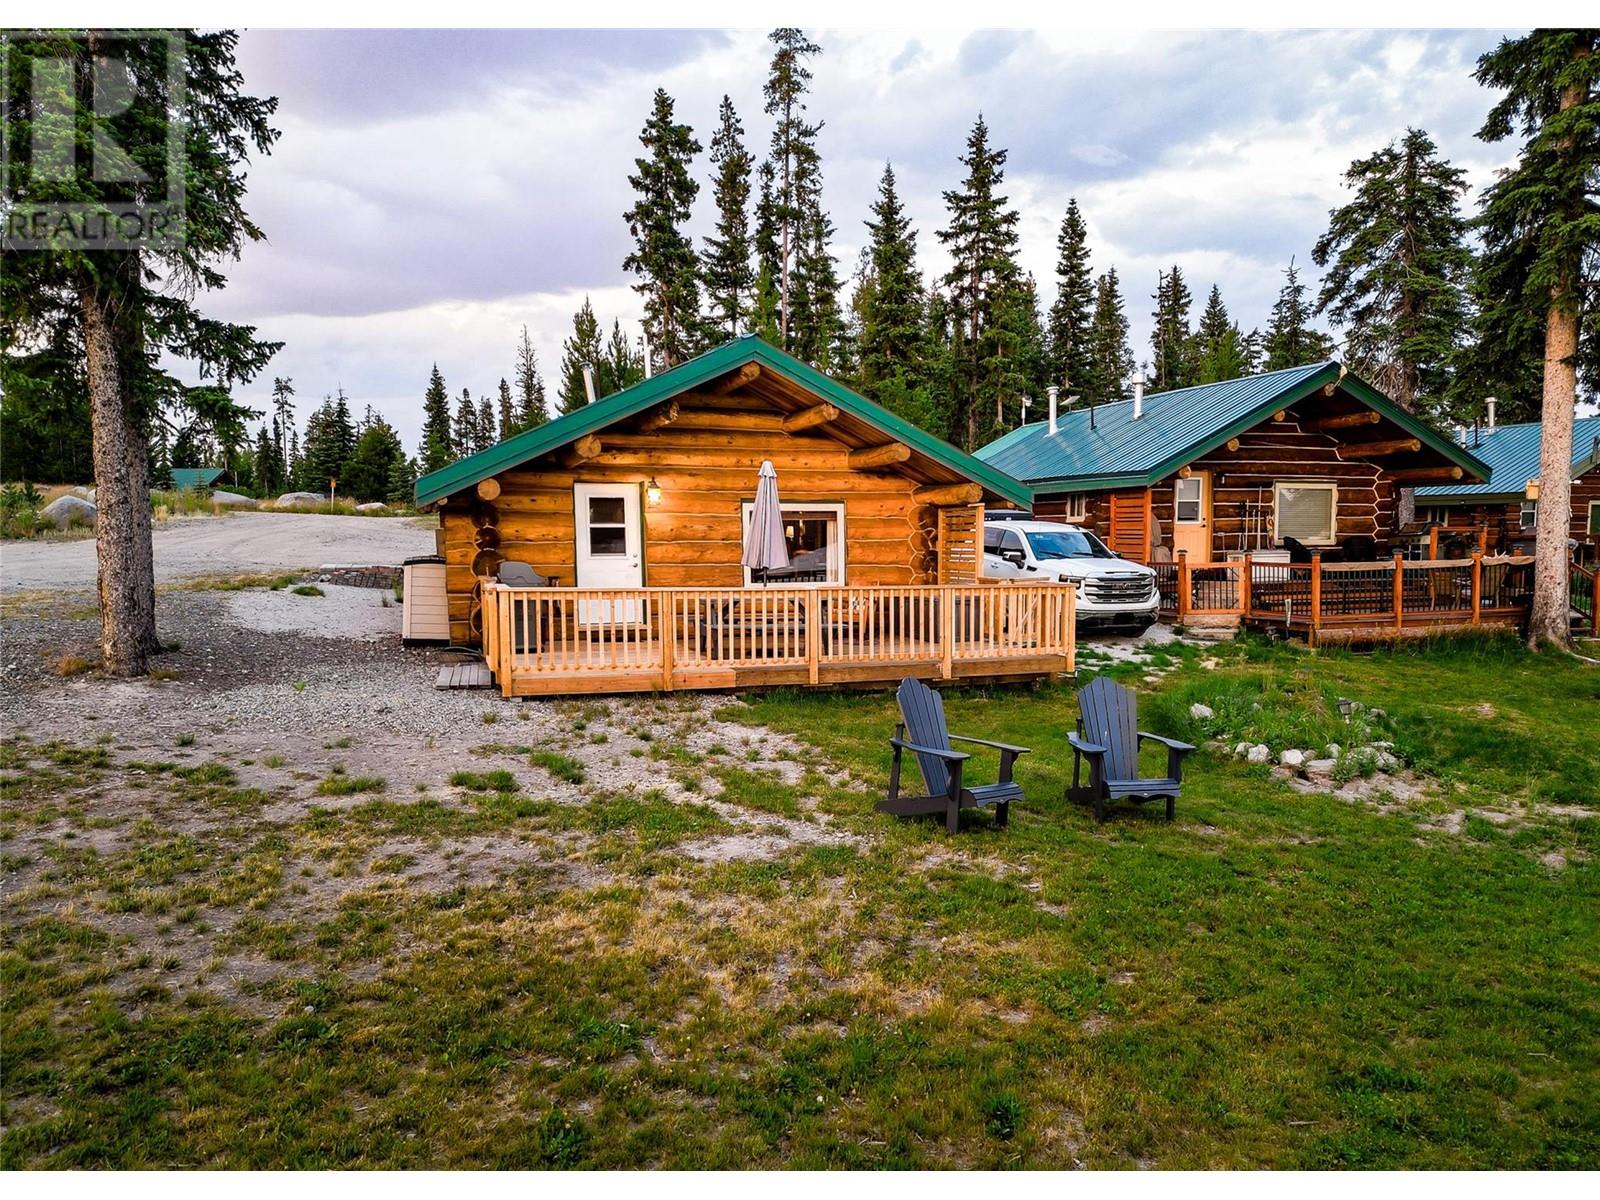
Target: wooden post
[
  {"x": 1399, "y": 590},
  {"x": 1071, "y": 607},
  {"x": 1183, "y": 585},
  {"x": 666, "y": 621},
  {"x": 1477, "y": 586},
  {"x": 1316, "y": 595},
  {"x": 814, "y": 636},
  {"x": 1433, "y": 542},
  {"x": 947, "y": 631},
  {"x": 1247, "y": 584},
  {"x": 1483, "y": 539}
]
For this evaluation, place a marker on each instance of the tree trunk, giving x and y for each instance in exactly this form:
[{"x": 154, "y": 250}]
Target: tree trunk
[
  {"x": 121, "y": 476},
  {"x": 1551, "y": 618}
]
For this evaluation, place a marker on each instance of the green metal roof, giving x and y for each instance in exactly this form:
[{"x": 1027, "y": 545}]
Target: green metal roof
[
  {"x": 1511, "y": 452},
  {"x": 1105, "y": 447},
  {"x": 694, "y": 373},
  {"x": 186, "y": 479}
]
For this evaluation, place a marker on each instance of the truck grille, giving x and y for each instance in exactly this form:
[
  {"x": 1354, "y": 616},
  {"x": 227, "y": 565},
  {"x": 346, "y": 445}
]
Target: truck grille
[{"x": 1119, "y": 589}]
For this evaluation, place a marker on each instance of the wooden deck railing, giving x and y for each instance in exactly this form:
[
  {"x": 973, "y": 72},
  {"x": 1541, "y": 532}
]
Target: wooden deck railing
[
  {"x": 1584, "y": 597},
  {"x": 550, "y": 640},
  {"x": 1374, "y": 597}
]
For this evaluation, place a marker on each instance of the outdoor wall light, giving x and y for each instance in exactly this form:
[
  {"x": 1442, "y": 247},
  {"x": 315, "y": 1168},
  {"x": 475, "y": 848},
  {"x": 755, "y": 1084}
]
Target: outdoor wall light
[{"x": 652, "y": 491}]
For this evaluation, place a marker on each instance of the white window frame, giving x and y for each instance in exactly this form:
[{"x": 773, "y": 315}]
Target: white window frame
[
  {"x": 1199, "y": 501},
  {"x": 1307, "y": 485},
  {"x": 835, "y": 551},
  {"x": 1077, "y": 507},
  {"x": 1527, "y": 514}
]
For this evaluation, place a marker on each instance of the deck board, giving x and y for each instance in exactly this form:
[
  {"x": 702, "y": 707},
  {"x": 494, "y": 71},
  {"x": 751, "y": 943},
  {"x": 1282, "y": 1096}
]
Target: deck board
[{"x": 461, "y": 676}]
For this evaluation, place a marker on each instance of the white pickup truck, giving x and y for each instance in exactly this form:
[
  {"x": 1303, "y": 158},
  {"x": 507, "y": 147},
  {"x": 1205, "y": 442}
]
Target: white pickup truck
[{"x": 1111, "y": 590}]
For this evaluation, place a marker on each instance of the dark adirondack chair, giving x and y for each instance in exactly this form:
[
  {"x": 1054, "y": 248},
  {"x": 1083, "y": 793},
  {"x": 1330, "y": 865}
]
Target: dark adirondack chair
[
  {"x": 922, "y": 730},
  {"x": 1108, "y": 737}
]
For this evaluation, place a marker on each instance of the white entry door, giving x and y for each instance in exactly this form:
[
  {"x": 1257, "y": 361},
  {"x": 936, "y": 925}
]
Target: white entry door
[{"x": 610, "y": 548}]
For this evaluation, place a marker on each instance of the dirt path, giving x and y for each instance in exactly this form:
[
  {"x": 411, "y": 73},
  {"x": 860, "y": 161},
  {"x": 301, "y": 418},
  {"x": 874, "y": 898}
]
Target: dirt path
[{"x": 240, "y": 542}]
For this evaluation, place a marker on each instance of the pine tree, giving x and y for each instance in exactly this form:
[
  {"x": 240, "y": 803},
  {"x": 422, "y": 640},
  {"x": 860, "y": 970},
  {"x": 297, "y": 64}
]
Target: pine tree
[
  {"x": 1220, "y": 350},
  {"x": 532, "y": 410},
  {"x": 488, "y": 423},
  {"x": 1073, "y": 311},
  {"x": 1398, "y": 267},
  {"x": 725, "y": 262},
  {"x": 438, "y": 446},
  {"x": 1540, "y": 270},
  {"x": 283, "y": 416},
  {"x": 465, "y": 431},
  {"x": 1290, "y": 340},
  {"x": 1171, "y": 346},
  {"x": 1020, "y": 364},
  {"x": 268, "y": 469},
  {"x": 620, "y": 366},
  {"x": 295, "y": 464},
  {"x": 370, "y": 473},
  {"x": 793, "y": 157},
  {"x": 402, "y": 483},
  {"x": 507, "y": 425},
  {"x": 1111, "y": 364},
  {"x": 890, "y": 303},
  {"x": 343, "y": 430},
  {"x": 982, "y": 241},
  {"x": 578, "y": 351},
  {"x": 330, "y": 437},
  {"x": 816, "y": 323},
  {"x": 663, "y": 257}
]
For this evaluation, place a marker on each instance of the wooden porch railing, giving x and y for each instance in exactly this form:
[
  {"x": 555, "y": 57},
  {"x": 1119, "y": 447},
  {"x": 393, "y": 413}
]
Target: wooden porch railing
[
  {"x": 545, "y": 639},
  {"x": 1584, "y": 597}
]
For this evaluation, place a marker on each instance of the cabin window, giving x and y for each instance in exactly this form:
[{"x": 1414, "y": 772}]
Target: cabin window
[
  {"x": 1594, "y": 517},
  {"x": 608, "y": 526},
  {"x": 814, "y": 535},
  {"x": 1074, "y": 507},
  {"x": 1306, "y": 512},
  {"x": 1187, "y": 496},
  {"x": 1528, "y": 514},
  {"x": 1434, "y": 514}
]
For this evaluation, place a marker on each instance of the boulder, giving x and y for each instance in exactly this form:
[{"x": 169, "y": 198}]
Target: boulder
[
  {"x": 1201, "y": 712},
  {"x": 68, "y": 510},
  {"x": 1318, "y": 767},
  {"x": 1258, "y": 754},
  {"x": 1386, "y": 761},
  {"x": 84, "y": 493},
  {"x": 1292, "y": 758},
  {"x": 1241, "y": 749},
  {"x": 1333, "y": 750},
  {"x": 298, "y": 500},
  {"x": 231, "y": 500},
  {"x": 374, "y": 506}
]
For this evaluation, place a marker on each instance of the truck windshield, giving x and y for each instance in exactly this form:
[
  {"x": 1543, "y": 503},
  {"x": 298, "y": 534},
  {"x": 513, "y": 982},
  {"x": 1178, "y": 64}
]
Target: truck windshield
[{"x": 1067, "y": 543}]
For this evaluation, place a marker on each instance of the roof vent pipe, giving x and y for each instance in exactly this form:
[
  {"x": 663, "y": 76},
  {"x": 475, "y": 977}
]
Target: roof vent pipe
[
  {"x": 649, "y": 367},
  {"x": 588, "y": 382},
  {"x": 1489, "y": 408},
  {"x": 1138, "y": 396},
  {"x": 1054, "y": 393}
]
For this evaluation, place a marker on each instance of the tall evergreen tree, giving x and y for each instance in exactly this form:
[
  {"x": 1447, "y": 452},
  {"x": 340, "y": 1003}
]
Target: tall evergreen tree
[
  {"x": 793, "y": 157},
  {"x": 816, "y": 323},
  {"x": 1290, "y": 340},
  {"x": 438, "y": 444},
  {"x": 1539, "y": 279},
  {"x": 891, "y": 303},
  {"x": 982, "y": 241},
  {"x": 343, "y": 429},
  {"x": 1171, "y": 345},
  {"x": 620, "y": 365},
  {"x": 1111, "y": 364},
  {"x": 1073, "y": 311},
  {"x": 663, "y": 256},
  {"x": 578, "y": 351},
  {"x": 507, "y": 426},
  {"x": 1220, "y": 350},
  {"x": 283, "y": 414},
  {"x": 1397, "y": 268},
  {"x": 374, "y": 464},
  {"x": 465, "y": 431},
  {"x": 488, "y": 423},
  {"x": 532, "y": 411},
  {"x": 725, "y": 264}
]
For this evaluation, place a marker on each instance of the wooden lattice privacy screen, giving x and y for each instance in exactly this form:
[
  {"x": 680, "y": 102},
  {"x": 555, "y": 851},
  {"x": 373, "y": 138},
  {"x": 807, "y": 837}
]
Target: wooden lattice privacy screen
[
  {"x": 961, "y": 544},
  {"x": 1130, "y": 524}
]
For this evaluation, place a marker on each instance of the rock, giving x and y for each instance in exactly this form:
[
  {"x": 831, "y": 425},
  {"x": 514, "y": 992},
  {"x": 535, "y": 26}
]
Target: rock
[
  {"x": 231, "y": 500},
  {"x": 374, "y": 506},
  {"x": 1333, "y": 750},
  {"x": 1381, "y": 745},
  {"x": 1553, "y": 861},
  {"x": 1292, "y": 758},
  {"x": 1377, "y": 714},
  {"x": 1258, "y": 754},
  {"x": 1241, "y": 749},
  {"x": 84, "y": 493},
  {"x": 1201, "y": 712},
  {"x": 298, "y": 500},
  {"x": 1385, "y": 761},
  {"x": 68, "y": 510},
  {"x": 1319, "y": 766}
]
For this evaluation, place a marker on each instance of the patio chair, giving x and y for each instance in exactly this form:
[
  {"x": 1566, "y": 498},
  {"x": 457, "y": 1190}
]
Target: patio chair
[
  {"x": 922, "y": 730},
  {"x": 520, "y": 574},
  {"x": 1108, "y": 737}
]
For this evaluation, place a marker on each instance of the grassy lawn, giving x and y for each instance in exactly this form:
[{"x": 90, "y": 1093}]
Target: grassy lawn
[{"x": 1275, "y": 979}]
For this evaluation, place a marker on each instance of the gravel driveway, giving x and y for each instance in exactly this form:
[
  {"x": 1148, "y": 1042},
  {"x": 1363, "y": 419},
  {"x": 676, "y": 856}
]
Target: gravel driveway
[{"x": 234, "y": 544}]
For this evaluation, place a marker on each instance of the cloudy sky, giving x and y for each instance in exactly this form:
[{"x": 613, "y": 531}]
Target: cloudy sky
[{"x": 434, "y": 191}]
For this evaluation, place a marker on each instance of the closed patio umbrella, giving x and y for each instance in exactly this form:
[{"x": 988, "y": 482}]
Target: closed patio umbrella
[{"x": 764, "y": 547}]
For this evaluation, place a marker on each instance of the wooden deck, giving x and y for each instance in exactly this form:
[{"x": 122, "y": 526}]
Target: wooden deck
[
  {"x": 1352, "y": 602},
  {"x": 562, "y": 641}
]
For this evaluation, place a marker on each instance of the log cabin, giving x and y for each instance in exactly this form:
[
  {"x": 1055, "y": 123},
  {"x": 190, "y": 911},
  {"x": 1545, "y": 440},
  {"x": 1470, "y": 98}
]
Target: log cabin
[
  {"x": 1270, "y": 499},
  {"x": 1500, "y": 510},
  {"x": 632, "y": 512}
]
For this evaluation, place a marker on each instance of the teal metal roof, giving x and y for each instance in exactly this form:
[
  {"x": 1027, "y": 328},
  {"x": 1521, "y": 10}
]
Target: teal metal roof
[
  {"x": 697, "y": 372},
  {"x": 1106, "y": 447},
  {"x": 1511, "y": 452},
  {"x": 186, "y": 479}
]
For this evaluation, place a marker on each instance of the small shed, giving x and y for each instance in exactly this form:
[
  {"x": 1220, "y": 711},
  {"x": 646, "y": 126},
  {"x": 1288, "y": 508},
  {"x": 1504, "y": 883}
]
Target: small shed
[{"x": 192, "y": 479}]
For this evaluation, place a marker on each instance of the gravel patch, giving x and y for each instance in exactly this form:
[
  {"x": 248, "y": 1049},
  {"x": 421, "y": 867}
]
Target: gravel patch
[{"x": 340, "y": 612}]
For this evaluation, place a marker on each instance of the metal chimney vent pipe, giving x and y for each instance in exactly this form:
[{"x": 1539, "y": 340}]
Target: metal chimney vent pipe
[
  {"x": 1138, "y": 396},
  {"x": 1489, "y": 409},
  {"x": 588, "y": 382},
  {"x": 1054, "y": 393}
]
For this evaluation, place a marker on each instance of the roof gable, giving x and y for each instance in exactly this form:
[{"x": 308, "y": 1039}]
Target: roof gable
[
  {"x": 1511, "y": 452},
  {"x": 694, "y": 373},
  {"x": 1104, "y": 446}
]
